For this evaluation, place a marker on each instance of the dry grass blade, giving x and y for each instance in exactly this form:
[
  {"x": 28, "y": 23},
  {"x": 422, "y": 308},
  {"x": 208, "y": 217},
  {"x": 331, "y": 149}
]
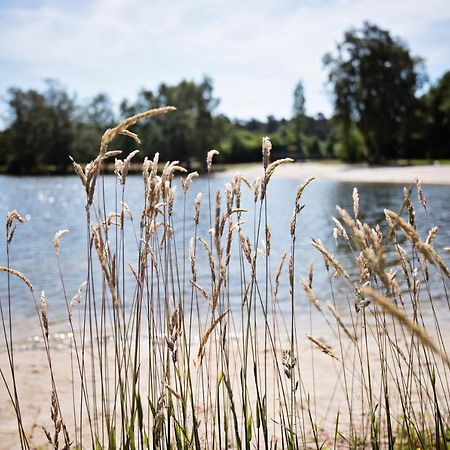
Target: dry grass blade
[
  {"x": 317, "y": 243},
  {"x": 311, "y": 294},
  {"x": 13, "y": 215},
  {"x": 17, "y": 274},
  {"x": 266, "y": 148},
  {"x": 341, "y": 322},
  {"x": 205, "y": 337},
  {"x": 302, "y": 187},
  {"x": 431, "y": 255},
  {"x": 111, "y": 133},
  {"x": 401, "y": 316},
  {"x": 405, "y": 226},
  {"x": 57, "y": 240},
  {"x": 355, "y": 197},
  {"x": 209, "y": 158},
  {"x": 324, "y": 348}
]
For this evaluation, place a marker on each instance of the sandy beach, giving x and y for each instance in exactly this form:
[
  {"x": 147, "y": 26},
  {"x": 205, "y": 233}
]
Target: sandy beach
[
  {"x": 322, "y": 387},
  {"x": 353, "y": 173}
]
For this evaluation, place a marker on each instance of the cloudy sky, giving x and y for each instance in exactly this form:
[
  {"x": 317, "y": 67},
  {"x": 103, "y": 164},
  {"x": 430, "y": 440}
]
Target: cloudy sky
[{"x": 255, "y": 51}]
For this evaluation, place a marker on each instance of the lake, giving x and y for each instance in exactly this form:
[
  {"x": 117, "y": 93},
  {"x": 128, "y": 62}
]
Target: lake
[{"x": 50, "y": 204}]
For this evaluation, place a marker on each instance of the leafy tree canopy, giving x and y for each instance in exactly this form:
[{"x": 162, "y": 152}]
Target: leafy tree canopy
[{"x": 374, "y": 80}]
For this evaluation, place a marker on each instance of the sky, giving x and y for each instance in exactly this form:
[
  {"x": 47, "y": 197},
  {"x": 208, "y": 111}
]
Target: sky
[{"x": 254, "y": 50}]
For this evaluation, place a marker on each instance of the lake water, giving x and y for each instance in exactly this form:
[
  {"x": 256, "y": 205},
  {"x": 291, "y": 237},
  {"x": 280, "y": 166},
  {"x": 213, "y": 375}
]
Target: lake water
[{"x": 50, "y": 204}]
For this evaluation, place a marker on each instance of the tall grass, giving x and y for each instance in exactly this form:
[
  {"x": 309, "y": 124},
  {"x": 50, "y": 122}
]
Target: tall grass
[{"x": 161, "y": 356}]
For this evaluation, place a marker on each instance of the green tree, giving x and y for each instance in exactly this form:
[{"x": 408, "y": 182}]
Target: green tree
[
  {"x": 299, "y": 117},
  {"x": 438, "y": 106},
  {"x": 28, "y": 130},
  {"x": 187, "y": 133},
  {"x": 60, "y": 109},
  {"x": 91, "y": 120},
  {"x": 40, "y": 129},
  {"x": 374, "y": 80},
  {"x": 349, "y": 146}
]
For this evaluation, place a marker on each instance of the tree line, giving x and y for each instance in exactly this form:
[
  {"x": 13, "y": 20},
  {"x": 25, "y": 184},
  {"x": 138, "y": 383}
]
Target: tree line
[{"x": 384, "y": 109}]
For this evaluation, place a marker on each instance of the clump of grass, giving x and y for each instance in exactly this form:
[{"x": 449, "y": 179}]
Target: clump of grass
[{"x": 163, "y": 356}]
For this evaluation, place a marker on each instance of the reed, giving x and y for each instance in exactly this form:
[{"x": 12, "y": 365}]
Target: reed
[{"x": 191, "y": 344}]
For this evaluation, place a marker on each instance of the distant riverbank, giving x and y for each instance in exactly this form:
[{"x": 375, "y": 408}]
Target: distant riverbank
[{"x": 356, "y": 173}]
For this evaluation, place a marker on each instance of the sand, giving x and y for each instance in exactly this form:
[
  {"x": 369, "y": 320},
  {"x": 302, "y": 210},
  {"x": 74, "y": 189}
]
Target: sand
[
  {"x": 321, "y": 375},
  {"x": 431, "y": 174}
]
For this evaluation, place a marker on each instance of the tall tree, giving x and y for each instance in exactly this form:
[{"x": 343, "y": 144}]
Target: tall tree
[
  {"x": 299, "y": 117},
  {"x": 60, "y": 110},
  {"x": 190, "y": 131},
  {"x": 28, "y": 130},
  {"x": 374, "y": 79},
  {"x": 438, "y": 106}
]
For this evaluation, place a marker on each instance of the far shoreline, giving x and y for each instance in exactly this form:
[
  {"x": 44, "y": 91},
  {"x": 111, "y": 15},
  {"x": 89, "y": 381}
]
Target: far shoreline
[
  {"x": 428, "y": 174},
  {"x": 352, "y": 173}
]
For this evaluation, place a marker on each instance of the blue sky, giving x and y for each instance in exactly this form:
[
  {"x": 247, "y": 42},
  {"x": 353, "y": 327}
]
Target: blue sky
[{"x": 255, "y": 51}]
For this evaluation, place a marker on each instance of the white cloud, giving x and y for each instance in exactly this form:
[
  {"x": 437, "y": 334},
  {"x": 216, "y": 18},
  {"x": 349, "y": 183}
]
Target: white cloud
[{"x": 255, "y": 51}]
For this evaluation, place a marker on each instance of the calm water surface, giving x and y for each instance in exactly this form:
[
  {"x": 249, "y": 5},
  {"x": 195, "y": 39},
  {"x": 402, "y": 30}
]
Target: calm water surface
[{"x": 53, "y": 203}]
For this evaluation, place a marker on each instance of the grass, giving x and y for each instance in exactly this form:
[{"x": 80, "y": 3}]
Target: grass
[{"x": 161, "y": 356}]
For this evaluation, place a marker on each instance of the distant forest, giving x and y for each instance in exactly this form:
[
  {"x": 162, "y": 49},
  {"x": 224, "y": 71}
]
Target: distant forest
[{"x": 384, "y": 109}]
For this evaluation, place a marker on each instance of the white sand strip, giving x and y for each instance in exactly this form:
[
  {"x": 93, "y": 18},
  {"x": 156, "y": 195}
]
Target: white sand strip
[{"x": 431, "y": 174}]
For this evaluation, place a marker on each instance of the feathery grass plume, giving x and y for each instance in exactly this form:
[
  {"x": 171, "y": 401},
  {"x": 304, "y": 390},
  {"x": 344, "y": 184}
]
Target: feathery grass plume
[
  {"x": 422, "y": 199},
  {"x": 246, "y": 247},
  {"x": 324, "y": 348},
  {"x": 44, "y": 313},
  {"x": 57, "y": 240},
  {"x": 192, "y": 259},
  {"x": 217, "y": 231},
  {"x": 269, "y": 172},
  {"x": 185, "y": 182},
  {"x": 212, "y": 265},
  {"x": 409, "y": 207},
  {"x": 209, "y": 158},
  {"x": 345, "y": 216},
  {"x": 432, "y": 256},
  {"x": 122, "y": 167},
  {"x": 127, "y": 209},
  {"x": 407, "y": 228},
  {"x": 131, "y": 135},
  {"x": 91, "y": 170},
  {"x": 202, "y": 291},
  {"x": 317, "y": 243},
  {"x": 340, "y": 230},
  {"x": 197, "y": 203},
  {"x": 266, "y": 148},
  {"x": 159, "y": 419},
  {"x": 340, "y": 322},
  {"x": 10, "y": 227},
  {"x": 297, "y": 209},
  {"x": 227, "y": 215},
  {"x": 11, "y": 217},
  {"x": 123, "y": 126},
  {"x": 301, "y": 188},
  {"x": 355, "y": 197},
  {"x": 17, "y": 274},
  {"x": 76, "y": 299},
  {"x": 268, "y": 238},
  {"x": 169, "y": 170},
  {"x": 207, "y": 333},
  {"x": 310, "y": 294},
  {"x": 289, "y": 362},
  {"x": 431, "y": 235},
  {"x": 278, "y": 275},
  {"x": 256, "y": 188},
  {"x": 135, "y": 274},
  {"x": 171, "y": 199},
  {"x": 401, "y": 316}
]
